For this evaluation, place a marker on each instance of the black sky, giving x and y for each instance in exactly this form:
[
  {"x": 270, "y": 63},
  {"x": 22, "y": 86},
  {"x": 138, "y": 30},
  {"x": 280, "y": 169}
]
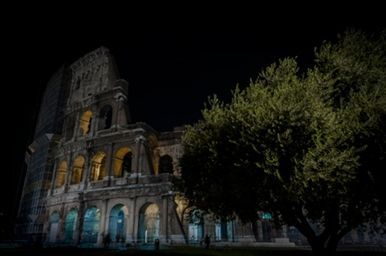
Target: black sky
[{"x": 171, "y": 69}]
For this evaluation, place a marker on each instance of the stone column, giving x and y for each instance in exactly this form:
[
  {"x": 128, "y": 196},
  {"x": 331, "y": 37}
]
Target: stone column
[
  {"x": 79, "y": 221},
  {"x": 137, "y": 155},
  {"x": 87, "y": 168},
  {"x": 130, "y": 222},
  {"x": 260, "y": 234},
  {"x": 164, "y": 232},
  {"x": 135, "y": 220},
  {"x": 109, "y": 164},
  {"x": 69, "y": 172},
  {"x": 103, "y": 227}
]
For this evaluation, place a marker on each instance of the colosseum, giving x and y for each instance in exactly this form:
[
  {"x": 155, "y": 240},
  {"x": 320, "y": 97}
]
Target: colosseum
[{"x": 92, "y": 172}]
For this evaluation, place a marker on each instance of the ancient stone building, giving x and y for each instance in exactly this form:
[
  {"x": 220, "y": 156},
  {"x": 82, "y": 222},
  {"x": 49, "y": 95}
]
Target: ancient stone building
[{"x": 92, "y": 172}]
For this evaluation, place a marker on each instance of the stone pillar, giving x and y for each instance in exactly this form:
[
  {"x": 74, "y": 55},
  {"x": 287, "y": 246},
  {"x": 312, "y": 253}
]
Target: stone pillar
[
  {"x": 109, "y": 164},
  {"x": 164, "y": 232},
  {"x": 69, "y": 172},
  {"x": 79, "y": 221},
  {"x": 87, "y": 169},
  {"x": 143, "y": 161},
  {"x": 103, "y": 227},
  {"x": 94, "y": 122},
  {"x": 130, "y": 221},
  {"x": 136, "y": 156},
  {"x": 260, "y": 235},
  {"x": 120, "y": 115},
  {"x": 136, "y": 220},
  {"x": 76, "y": 133}
]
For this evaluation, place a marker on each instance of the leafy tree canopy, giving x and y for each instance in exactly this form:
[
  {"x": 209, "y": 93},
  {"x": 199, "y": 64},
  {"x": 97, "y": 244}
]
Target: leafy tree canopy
[{"x": 309, "y": 147}]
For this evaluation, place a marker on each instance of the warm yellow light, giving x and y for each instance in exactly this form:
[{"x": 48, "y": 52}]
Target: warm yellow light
[
  {"x": 61, "y": 174},
  {"x": 119, "y": 159},
  {"x": 77, "y": 170},
  {"x": 85, "y": 122},
  {"x": 98, "y": 166}
]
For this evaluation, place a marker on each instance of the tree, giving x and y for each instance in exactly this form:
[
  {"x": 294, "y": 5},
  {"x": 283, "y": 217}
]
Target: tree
[{"x": 309, "y": 147}]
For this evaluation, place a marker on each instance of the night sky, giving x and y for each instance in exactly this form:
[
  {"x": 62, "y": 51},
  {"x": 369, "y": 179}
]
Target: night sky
[{"x": 171, "y": 70}]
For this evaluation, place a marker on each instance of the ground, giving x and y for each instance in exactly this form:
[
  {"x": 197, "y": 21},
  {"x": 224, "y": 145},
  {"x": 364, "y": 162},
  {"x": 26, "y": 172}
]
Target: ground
[{"x": 186, "y": 251}]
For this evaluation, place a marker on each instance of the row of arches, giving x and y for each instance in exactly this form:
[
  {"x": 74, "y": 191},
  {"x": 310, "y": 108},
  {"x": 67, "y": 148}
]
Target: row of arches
[
  {"x": 122, "y": 164},
  {"x": 223, "y": 229},
  {"x": 148, "y": 225},
  {"x": 104, "y": 122},
  {"x": 105, "y": 119}
]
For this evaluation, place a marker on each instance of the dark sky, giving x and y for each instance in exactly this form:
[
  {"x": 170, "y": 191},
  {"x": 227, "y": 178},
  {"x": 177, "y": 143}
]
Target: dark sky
[{"x": 171, "y": 69}]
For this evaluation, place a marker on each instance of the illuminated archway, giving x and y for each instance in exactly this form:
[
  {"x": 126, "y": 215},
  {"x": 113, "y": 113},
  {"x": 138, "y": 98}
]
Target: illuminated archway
[
  {"x": 70, "y": 225},
  {"x": 77, "y": 170},
  {"x": 224, "y": 230},
  {"x": 54, "y": 227},
  {"x": 149, "y": 222},
  {"x": 98, "y": 166},
  {"x": 85, "y": 122},
  {"x": 61, "y": 173},
  {"x": 117, "y": 223},
  {"x": 122, "y": 162},
  {"x": 91, "y": 225},
  {"x": 196, "y": 226}
]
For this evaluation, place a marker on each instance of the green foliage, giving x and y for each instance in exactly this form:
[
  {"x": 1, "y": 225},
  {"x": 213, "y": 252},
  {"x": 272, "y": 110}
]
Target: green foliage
[{"x": 309, "y": 148}]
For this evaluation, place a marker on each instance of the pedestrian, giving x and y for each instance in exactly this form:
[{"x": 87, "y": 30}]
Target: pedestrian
[
  {"x": 156, "y": 244},
  {"x": 106, "y": 241},
  {"x": 207, "y": 241}
]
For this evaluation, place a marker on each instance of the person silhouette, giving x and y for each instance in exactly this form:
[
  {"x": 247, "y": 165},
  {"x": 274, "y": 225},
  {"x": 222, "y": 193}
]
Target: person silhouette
[
  {"x": 156, "y": 244},
  {"x": 207, "y": 241}
]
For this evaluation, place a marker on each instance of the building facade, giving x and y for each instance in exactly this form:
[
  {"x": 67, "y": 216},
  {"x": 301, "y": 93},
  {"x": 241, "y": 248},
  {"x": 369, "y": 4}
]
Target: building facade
[{"x": 93, "y": 173}]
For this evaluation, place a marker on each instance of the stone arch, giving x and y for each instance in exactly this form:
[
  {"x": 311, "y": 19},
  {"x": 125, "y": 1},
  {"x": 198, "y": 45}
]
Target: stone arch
[
  {"x": 98, "y": 166},
  {"x": 122, "y": 161},
  {"x": 149, "y": 223},
  {"x": 117, "y": 223},
  {"x": 70, "y": 225},
  {"x": 91, "y": 223},
  {"x": 105, "y": 117},
  {"x": 224, "y": 229},
  {"x": 165, "y": 164},
  {"x": 77, "y": 169},
  {"x": 195, "y": 218},
  {"x": 61, "y": 174},
  {"x": 54, "y": 227},
  {"x": 85, "y": 122}
]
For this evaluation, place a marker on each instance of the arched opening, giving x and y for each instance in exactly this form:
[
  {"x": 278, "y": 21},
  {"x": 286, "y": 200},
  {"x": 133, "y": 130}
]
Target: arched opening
[
  {"x": 98, "y": 166},
  {"x": 196, "y": 226},
  {"x": 77, "y": 170},
  {"x": 85, "y": 122},
  {"x": 122, "y": 162},
  {"x": 70, "y": 225},
  {"x": 54, "y": 227},
  {"x": 224, "y": 230},
  {"x": 117, "y": 223},
  {"x": 91, "y": 225},
  {"x": 105, "y": 117},
  {"x": 149, "y": 221},
  {"x": 165, "y": 164},
  {"x": 61, "y": 173}
]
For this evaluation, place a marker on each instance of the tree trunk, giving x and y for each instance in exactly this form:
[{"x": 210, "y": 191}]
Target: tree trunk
[{"x": 322, "y": 247}]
